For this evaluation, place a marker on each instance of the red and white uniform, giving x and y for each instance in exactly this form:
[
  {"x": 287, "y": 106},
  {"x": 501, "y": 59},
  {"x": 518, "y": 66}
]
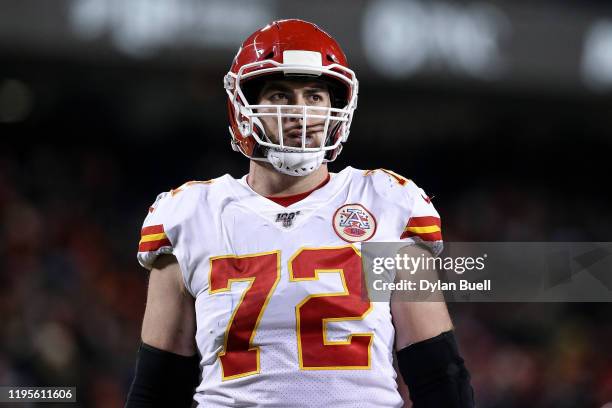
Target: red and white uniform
[{"x": 281, "y": 320}]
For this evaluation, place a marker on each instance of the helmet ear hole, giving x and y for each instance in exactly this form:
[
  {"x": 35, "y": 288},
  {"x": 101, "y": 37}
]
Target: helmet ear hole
[
  {"x": 331, "y": 58},
  {"x": 269, "y": 55}
]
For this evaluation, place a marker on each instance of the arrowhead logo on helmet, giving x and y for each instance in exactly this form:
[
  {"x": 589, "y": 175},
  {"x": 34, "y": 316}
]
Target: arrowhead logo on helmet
[{"x": 290, "y": 48}]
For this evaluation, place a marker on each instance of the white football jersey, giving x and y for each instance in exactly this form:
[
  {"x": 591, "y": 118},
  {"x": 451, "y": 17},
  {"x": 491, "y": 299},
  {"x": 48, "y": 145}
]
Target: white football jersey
[{"x": 282, "y": 316}]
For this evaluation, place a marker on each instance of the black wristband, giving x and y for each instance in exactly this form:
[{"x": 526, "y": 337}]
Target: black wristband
[
  {"x": 435, "y": 373},
  {"x": 163, "y": 379}
]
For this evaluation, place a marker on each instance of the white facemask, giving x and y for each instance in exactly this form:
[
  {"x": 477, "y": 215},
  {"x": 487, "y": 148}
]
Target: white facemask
[{"x": 294, "y": 163}]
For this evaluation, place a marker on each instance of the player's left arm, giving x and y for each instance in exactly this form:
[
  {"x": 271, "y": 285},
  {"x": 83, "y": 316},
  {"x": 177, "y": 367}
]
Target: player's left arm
[
  {"x": 416, "y": 321},
  {"x": 427, "y": 354}
]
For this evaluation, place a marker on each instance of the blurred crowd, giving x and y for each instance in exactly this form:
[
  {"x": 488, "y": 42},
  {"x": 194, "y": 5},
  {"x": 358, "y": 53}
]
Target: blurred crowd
[
  {"x": 104, "y": 104},
  {"x": 72, "y": 295},
  {"x": 70, "y": 299}
]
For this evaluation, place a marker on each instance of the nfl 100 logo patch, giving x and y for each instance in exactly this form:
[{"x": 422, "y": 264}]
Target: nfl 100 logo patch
[
  {"x": 354, "y": 223},
  {"x": 287, "y": 218}
]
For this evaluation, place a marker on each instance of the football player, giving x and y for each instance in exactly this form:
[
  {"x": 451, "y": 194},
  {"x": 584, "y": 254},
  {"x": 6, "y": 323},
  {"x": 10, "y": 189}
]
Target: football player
[{"x": 255, "y": 290}]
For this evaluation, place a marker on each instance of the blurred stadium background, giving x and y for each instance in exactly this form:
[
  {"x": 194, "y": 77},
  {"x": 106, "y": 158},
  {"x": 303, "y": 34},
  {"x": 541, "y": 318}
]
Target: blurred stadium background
[{"x": 501, "y": 110}]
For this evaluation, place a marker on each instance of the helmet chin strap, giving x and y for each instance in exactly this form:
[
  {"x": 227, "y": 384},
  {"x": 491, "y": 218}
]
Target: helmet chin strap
[{"x": 295, "y": 164}]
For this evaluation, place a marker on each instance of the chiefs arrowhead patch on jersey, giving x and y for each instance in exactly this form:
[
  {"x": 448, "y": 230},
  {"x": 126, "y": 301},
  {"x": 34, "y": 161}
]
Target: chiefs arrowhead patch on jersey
[{"x": 354, "y": 223}]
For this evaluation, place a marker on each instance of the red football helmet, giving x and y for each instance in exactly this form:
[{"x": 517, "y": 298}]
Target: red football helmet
[{"x": 290, "y": 49}]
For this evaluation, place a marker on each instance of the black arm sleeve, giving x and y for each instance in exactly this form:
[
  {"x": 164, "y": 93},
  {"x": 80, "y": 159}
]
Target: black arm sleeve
[
  {"x": 435, "y": 373},
  {"x": 163, "y": 379}
]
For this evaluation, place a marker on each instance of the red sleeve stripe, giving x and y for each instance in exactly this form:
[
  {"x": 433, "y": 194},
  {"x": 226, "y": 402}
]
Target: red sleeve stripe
[
  {"x": 423, "y": 221},
  {"x": 152, "y": 229},
  {"x": 432, "y": 236},
  {"x": 426, "y": 228},
  {"x": 153, "y": 238},
  {"x": 154, "y": 245}
]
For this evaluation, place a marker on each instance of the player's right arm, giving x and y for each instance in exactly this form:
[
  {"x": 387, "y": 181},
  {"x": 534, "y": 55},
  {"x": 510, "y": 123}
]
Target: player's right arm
[
  {"x": 169, "y": 318},
  {"x": 167, "y": 368}
]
